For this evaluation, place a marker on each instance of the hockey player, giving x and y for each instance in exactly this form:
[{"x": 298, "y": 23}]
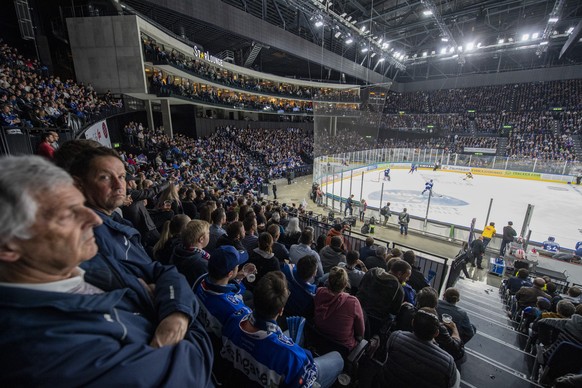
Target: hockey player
[
  {"x": 468, "y": 176},
  {"x": 427, "y": 186},
  {"x": 413, "y": 168},
  {"x": 551, "y": 245},
  {"x": 387, "y": 175}
]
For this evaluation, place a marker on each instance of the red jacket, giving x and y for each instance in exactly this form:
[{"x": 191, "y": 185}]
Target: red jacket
[
  {"x": 339, "y": 316},
  {"x": 46, "y": 150}
]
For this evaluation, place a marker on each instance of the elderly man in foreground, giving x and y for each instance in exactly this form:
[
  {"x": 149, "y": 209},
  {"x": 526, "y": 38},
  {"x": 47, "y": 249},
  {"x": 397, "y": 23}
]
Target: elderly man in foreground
[{"x": 60, "y": 329}]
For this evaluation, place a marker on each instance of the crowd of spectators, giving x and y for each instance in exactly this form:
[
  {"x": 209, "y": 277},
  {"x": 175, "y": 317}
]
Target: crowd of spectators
[
  {"x": 160, "y": 315},
  {"x": 571, "y": 122},
  {"x": 548, "y": 318},
  {"x": 279, "y": 149},
  {"x": 345, "y": 140},
  {"x": 31, "y": 97},
  {"x": 524, "y": 97},
  {"x": 451, "y": 122},
  {"x": 167, "y": 85},
  {"x": 236, "y": 159},
  {"x": 195, "y": 66},
  {"x": 543, "y": 145},
  {"x": 351, "y": 140}
]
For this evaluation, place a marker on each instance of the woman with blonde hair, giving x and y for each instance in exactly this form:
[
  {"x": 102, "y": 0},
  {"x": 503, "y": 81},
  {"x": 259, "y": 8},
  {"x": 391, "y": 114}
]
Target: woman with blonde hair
[
  {"x": 338, "y": 314},
  {"x": 170, "y": 197},
  {"x": 169, "y": 237}
]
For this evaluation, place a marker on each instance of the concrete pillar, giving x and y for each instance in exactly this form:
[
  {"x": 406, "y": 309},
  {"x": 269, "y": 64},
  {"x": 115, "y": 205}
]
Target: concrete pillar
[
  {"x": 167, "y": 117},
  {"x": 149, "y": 114}
]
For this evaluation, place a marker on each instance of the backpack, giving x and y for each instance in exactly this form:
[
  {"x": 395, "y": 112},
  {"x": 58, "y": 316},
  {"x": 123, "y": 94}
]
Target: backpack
[
  {"x": 384, "y": 211},
  {"x": 372, "y": 221}
]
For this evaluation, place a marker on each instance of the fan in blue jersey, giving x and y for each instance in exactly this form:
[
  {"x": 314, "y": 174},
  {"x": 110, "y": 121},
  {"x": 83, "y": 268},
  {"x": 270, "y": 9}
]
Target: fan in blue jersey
[
  {"x": 387, "y": 175},
  {"x": 256, "y": 346},
  {"x": 427, "y": 186},
  {"x": 220, "y": 290}
]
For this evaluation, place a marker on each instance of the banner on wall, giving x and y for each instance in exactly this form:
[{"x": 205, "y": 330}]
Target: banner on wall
[{"x": 100, "y": 133}]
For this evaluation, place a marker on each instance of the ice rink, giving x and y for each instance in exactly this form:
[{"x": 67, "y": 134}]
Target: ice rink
[{"x": 557, "y": 212}]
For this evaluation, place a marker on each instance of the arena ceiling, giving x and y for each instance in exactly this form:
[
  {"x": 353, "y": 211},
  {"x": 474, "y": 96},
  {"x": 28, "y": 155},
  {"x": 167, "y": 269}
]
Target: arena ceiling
[{"x": 407, "y": 40}]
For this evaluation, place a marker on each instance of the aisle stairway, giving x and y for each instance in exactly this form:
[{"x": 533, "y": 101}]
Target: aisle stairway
[
  {"x": 501, "y": 144},
  {"x": 495, "y": 355},
  {"x": 577, "y": 146}
]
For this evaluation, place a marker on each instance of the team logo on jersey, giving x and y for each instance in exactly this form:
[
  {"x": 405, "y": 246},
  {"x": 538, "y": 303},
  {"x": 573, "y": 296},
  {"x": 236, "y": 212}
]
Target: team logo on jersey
[
  {"x": 286, "y": 340},
  {"x": 232, "y": 299}
]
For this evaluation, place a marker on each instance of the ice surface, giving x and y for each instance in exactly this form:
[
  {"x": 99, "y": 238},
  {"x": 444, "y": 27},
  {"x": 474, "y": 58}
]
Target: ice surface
[{"x": 557, "y": 212}]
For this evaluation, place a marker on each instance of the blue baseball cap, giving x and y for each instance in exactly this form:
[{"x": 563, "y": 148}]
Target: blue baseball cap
[{"x": 225, "y": 258}]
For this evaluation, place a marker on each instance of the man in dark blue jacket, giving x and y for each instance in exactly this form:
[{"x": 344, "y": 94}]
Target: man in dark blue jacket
[
  {"x": 121, "y": 261},
  {"x": 62, "y": 325}
]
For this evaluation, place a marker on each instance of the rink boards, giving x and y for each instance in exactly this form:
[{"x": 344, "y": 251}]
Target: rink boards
[{"x": 457, "y": 199}]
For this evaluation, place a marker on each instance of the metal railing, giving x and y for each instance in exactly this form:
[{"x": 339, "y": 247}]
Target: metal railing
[{"x": 434, "y": 267}]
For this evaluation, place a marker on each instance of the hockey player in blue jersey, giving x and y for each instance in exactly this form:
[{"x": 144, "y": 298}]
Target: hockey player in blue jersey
[
  {"x": 413, "y": 168},
  {"x": 387, "y": 175},
  {"x": 427, "y": 186},
  {"x": 551, "y": 245},
  {"x": 256, "y": 346},
  {"x": 220, "y": 291}
]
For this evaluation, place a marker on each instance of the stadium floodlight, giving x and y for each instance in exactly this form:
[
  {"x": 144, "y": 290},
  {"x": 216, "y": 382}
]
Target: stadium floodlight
[
  {"x": 382, "y": 59},
  {"x": 343, "y": 15},
  {"x": 545, "y": 42},
  {"x": 444, "y": 39},
  {"x": 349, "y": 41},
  {"x": 460, "y": 48},
  {"x": 470, "y": 46},
  {"x": 365, "y": 50},
  {"x": 337, "y": 35},
  {"x": 501, "y": 41},
  {"x": 427, "y": 12},
  {"x": 318, "y": 23},
  {"x": 363, "y": 28},
  {"x": 535, "y": 35},
  {"x": 451, "y": 50},
  {"x": 424, "y": 54},
  {"x": 524, "y": 37},
  {"x": 553, "y": 19},
  {"x": 385, "y": 45},
  {"x": 444, "y": 50},
  {"x": 379, "y": 40},
  {"x": 373, "y": 55},
  {"x": 570, "y": 30},
  {"x": 479, "y": 45}
]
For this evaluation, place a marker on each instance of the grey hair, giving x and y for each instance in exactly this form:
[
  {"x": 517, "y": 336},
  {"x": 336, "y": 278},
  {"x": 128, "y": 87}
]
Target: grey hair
[
  {"x": 293, "y": 226},
  {"x": 22, "y": 180},
  {"x": 381, "y": 251},
  {"x": 276, "y": 217}
]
